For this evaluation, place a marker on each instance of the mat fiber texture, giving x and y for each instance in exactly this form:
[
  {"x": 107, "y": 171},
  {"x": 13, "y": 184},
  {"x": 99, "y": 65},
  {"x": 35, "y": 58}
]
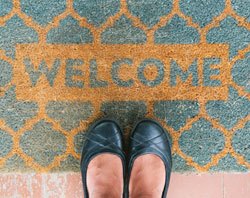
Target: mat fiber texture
[{"x": 67, "y": 63}]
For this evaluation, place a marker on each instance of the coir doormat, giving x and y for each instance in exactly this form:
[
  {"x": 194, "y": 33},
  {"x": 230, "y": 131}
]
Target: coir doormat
[{"x": 67, "y": 63}]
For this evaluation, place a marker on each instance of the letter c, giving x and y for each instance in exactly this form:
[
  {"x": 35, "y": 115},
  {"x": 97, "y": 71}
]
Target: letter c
[{"x": 115, "y": 70}]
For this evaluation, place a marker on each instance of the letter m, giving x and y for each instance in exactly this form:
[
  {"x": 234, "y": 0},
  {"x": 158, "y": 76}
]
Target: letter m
[
  {"x": 176, "y": 70},
  {"x": 43, "y": 69}
]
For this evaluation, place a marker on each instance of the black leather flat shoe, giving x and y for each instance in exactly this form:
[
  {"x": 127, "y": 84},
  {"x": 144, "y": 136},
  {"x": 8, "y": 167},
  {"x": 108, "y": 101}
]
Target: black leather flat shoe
[
  {"x": 104, "y": 136},
  {"x": 149, "y": 137}
]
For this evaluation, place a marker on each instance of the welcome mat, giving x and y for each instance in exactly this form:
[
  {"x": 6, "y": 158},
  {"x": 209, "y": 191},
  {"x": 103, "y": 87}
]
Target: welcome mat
[{"x": 67, "y": 63}]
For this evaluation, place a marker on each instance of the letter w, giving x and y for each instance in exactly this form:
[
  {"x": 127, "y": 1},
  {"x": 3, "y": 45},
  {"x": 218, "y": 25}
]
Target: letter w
[{"x": 42, "y": 69}]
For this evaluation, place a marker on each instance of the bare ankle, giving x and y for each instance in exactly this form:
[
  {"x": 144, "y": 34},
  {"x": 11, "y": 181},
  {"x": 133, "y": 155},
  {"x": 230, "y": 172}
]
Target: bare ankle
[
  {"x": 144, "y": 195},
  {"x": 141, "y": 184},
  {"x": 104, "y": 194},
  {"x": 105, "y": 177}
]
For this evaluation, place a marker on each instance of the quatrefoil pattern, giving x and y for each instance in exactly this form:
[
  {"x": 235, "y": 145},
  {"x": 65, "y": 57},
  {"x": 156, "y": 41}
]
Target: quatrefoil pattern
[{"x": 206, "y": 136}]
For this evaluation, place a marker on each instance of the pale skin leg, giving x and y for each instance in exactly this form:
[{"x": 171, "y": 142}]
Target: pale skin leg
[
  {"x": 147, "y": 178},
  {"x": 105, "y": 176}
]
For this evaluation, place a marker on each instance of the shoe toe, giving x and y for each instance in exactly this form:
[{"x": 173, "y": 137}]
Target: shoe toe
[
  {"x": 147, "y": 129},
  {"x": 107, "y": 129},
  {"x": 105, "y": 132},
  {"x": 149, "y": 136}
]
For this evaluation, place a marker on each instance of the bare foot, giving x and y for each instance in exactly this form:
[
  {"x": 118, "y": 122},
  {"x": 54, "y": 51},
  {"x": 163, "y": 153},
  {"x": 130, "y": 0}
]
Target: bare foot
[
  {"x": 105, "y": 176},
  {"x": 147, "y": 178}
]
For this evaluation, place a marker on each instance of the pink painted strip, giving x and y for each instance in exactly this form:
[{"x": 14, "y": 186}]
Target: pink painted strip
[
  {"x": 75, "y": 190},
  {"x": 237, "y": 185},
  {"x": 7, "y": 185},
  {"x": 28, "y": 185},
  {"x": 68, "y": 185},
  {"x": 196, "y": 186}
]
